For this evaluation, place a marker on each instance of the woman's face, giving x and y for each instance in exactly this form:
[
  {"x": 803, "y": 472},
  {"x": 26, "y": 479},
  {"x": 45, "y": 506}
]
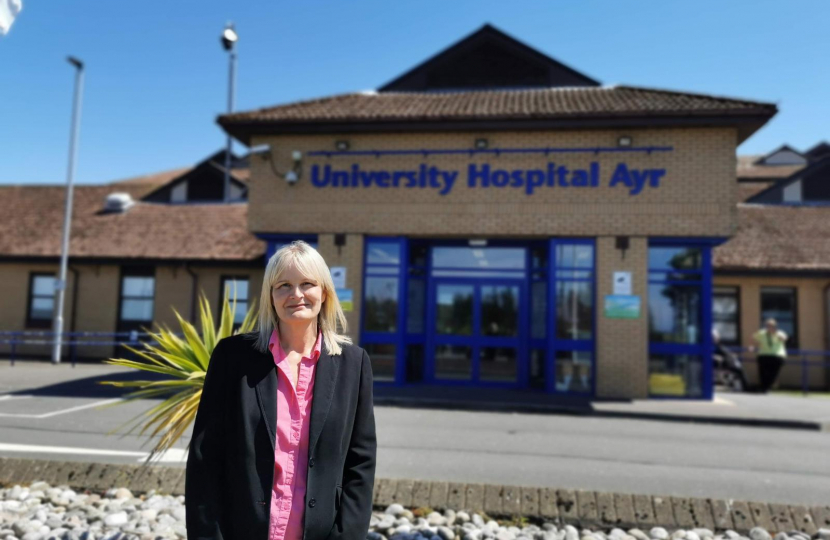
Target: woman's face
[{"x": 296, "y": 297}]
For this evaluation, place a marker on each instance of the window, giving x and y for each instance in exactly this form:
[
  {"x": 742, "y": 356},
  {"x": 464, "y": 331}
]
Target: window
[
  {"x": 679, "y": 315},
  {"x": 236, "y": 287},
  {"x": 779, "y": 303},
  {"x": 138, "y": 286},
  {"x": 41, "y": 304},
  {"x": 726, "y": 314},
  {"x": 382, "y": 324}
]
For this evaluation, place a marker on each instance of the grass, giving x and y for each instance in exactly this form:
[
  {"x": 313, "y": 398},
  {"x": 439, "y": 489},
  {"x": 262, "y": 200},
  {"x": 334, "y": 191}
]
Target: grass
[{"x": 799, "y": 393}]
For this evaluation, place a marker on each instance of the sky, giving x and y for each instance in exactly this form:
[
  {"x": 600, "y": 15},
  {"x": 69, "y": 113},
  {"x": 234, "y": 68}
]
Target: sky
[{"x": 156, "y": 74}]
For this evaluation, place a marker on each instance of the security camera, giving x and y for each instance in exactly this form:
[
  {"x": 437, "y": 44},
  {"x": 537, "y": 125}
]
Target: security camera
[{"x": 291, "y": 178}]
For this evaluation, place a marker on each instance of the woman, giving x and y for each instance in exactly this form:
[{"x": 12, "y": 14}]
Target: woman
[
  {"x": 770, "y": 344},
  {"x": 283, "y": 446}
]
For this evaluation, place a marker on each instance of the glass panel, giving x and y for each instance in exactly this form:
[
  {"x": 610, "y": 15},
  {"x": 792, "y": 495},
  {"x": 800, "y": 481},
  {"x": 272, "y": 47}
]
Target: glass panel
[
  {"x": 453, "y": 362},
  {"x": 378, "y": 252},
  {"x": 497, "y": 364},
  {"x": 138, "y": 287},
  {"x": 236, "y": 287},
  {"x": 674, "y": 313},
  {"x": 574, "y": 310},
  {"x": 779, "y": 303},
  {"x": 239, "y": 314},
  {"x": 667, "y": 258},
  {"x": 468, "y": 257},
  {"x": 573, "y": 274},
  {"x": 674, "y": 276},
  {"x": 42, "y": 308},
  {"x": 387, "y": 271},
  {"x": 500, "y": 310},
  {"x": 478, "y": 273},
  {"x": 381, "y": 304},
  {"x": 539, "y": 257},
  {"x": 414, "y": 363},
  {"x": 418, "y": 254},
  {"x": 416, "y": 302},
  {"x": 573, "y": 371},
  {"x": 455, "y": 309},
  {"x": 725, "y": 314},
  {"x": 537, "y": 368},
  {"x": 538, "y": 306},
  {"x": 137, "y": 310},
  {"x": 574, "y": 256},
  {"x": 43, "y": 286},
  {"x": 382, "y": 357},
  {"x": 675, "y": 375}
]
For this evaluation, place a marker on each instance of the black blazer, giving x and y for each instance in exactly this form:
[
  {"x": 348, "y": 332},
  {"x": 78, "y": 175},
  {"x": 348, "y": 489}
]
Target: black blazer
[{"x": 230, "y": 465}]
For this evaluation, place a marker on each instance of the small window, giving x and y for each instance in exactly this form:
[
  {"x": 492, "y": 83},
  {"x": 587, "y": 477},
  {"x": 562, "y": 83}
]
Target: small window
[
  {"x": 41, "y": 302},
  {"x": 726, "y": 314},
  {"x": 137, "y": 302},
  {"x": 779, "y": 303},
  {"x": 236, "y": 287}
]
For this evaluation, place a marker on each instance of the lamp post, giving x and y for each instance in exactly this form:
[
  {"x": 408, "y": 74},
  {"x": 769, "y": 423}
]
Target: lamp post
[
  {"x": 229, "y": 39},
  {"x": 60, "y": 284}
]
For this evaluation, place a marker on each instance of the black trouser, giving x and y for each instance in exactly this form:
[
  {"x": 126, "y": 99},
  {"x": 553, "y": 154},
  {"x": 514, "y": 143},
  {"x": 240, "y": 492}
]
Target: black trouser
[{"x": 768, "y": 368}]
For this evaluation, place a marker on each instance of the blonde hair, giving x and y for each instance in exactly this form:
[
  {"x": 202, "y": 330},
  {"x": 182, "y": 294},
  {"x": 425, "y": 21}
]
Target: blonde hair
[{"x": 311, "y": 264}]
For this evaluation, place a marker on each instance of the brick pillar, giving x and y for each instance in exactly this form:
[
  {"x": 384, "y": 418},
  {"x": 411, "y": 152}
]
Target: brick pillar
[
  {"x": 622, "y": 344},
  {"x": 350, "y": 256}
]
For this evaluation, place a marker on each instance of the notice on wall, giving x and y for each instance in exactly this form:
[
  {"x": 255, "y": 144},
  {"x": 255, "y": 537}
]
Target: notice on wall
[
  {"x": 346, "y": 298},
  {"x": 622, "y": 283},
  {"x": 619, "y": 306},
  {"x": 338, "y": 276}
]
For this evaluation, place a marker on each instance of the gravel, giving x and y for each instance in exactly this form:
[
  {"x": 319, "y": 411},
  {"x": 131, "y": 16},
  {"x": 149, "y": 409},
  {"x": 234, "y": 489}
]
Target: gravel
[{"x": 44, "y": 512}]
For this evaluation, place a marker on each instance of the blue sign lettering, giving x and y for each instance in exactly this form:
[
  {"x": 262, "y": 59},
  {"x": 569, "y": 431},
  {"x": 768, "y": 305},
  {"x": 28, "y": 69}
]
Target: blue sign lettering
[{"x": 484, "y": 176}]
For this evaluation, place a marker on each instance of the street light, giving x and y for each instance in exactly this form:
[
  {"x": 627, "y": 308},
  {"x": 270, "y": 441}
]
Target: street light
[
  {"x": 60, "y": 284},
  {"x": 229, "y": 39}
]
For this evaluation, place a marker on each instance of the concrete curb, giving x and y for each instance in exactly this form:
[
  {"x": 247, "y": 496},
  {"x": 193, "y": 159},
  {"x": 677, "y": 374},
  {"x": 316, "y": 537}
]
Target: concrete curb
[
  {"x": 563, "y": 506},
  {"x": 395, "y": 401}
]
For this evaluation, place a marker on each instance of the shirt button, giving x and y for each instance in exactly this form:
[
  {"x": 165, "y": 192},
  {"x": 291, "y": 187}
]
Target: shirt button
[
  {"x": 311, "y": 503},
  {"x": 311, "y": 462}
]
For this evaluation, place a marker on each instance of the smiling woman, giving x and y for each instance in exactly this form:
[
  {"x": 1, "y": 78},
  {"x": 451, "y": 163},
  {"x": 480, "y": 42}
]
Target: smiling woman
[{"x": 284, "y": 442}]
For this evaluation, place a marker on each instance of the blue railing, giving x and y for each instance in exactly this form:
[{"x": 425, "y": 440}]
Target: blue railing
[
  {"x": 73, "y": 340},
  {"x": 806, "y": 359}
]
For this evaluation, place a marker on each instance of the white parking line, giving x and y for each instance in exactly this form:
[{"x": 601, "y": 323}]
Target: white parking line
[
  {"x": 62, "y": 411},
  {"x": 8, "y": 397},
  {"x": 171, "y": 456}
]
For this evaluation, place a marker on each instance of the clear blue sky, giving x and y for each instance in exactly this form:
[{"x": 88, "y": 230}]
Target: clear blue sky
[{"x": 156, "y": 73}]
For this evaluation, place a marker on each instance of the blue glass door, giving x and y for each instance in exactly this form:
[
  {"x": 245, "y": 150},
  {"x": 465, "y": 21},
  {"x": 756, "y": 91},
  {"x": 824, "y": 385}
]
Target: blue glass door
[{"x": 477, "y": 331}]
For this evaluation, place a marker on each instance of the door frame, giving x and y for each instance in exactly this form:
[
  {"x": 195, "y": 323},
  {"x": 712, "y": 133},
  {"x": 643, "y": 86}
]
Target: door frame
[{"x": 475, "y": 340}]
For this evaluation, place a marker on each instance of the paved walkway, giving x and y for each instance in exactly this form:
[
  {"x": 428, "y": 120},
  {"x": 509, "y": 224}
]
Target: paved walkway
[
  {"x": 780, "y": 411},
  {"x": 770, "y": 410}
]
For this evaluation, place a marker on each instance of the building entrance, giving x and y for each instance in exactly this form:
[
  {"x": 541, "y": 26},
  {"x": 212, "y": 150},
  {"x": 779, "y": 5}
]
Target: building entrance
[{"x": 477, "y": 331}]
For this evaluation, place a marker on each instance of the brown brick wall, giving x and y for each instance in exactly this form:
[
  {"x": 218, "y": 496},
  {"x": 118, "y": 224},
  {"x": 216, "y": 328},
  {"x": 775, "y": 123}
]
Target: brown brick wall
[
  {"x": 696, "y": 196},
  {"x": 350, "y": 256}
]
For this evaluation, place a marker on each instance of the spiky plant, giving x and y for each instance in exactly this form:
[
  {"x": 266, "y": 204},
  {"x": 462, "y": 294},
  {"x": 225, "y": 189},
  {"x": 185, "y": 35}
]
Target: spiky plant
[{"x": 184, "y": 361}]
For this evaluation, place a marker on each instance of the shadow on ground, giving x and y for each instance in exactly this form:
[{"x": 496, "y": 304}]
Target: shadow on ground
[{"x": 90, "y": 388}]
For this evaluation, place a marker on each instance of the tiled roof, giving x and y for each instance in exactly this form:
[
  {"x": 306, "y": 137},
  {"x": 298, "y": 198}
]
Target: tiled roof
[
  {"x": 748, "y": 170},
  {"x": 778, "y": 237},
  {"x": 32, "y": 225},
  {"x": 748, "y": 189},
  {"x": 501, "y": 104}
]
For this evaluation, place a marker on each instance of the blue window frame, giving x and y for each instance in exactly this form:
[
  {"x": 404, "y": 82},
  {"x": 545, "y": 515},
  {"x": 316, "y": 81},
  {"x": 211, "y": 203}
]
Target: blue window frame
[
  {"x": 571, "y": 296},
  {"x": 680, "y": 318},
  {"x": 383, "y": 315}
]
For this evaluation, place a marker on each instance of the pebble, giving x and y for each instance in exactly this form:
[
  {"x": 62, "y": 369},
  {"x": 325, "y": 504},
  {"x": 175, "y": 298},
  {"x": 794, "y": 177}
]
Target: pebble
[{"x": 44, "y": 512}]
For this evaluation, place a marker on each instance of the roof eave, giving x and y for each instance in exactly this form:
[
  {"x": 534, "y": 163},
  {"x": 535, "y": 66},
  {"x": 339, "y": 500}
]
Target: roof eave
[{"x": 746, "y": 123}]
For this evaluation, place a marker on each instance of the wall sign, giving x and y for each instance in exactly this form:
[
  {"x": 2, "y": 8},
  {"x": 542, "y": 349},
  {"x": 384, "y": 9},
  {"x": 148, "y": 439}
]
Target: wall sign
[
  {"x": 346, "y": 299},
  {"x": 483, "y": 176},
  {"x": 622, "y": 283},
  {"x": 618, "y": 306},
  {"x": 338, "y": 276}
]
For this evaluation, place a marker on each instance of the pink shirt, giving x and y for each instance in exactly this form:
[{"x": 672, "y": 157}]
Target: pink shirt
[{"x": 291, "y": 446}]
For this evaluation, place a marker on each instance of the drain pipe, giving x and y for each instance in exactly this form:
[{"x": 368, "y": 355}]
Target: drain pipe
[
  {"x": 73, "y": 316},
  {"x": 192, "y": 292}
]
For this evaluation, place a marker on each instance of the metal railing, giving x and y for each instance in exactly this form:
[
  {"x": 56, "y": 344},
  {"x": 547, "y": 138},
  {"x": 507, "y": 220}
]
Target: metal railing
[
  {"x": 805, "y": 359},
  {"x": 73, "y": 340}
]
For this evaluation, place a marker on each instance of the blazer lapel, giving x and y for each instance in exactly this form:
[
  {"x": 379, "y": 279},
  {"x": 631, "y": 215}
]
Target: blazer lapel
[
  {"x": 265, "y": 373},
  {"x": 325, "y": 379}
]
